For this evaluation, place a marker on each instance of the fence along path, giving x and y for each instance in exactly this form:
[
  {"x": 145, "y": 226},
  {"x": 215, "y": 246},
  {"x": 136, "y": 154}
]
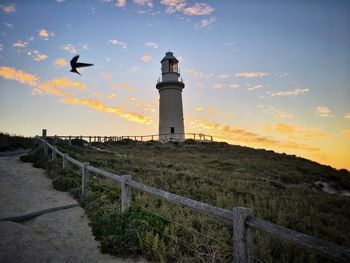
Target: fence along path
[{"x": 242, "y": 218}]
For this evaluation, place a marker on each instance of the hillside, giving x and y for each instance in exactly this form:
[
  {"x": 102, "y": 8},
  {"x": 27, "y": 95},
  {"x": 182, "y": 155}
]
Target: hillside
[{"x": 278, "y": 187}]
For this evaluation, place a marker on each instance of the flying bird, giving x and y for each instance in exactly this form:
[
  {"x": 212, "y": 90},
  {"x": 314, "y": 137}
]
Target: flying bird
[{"x": 74, "y": 64}]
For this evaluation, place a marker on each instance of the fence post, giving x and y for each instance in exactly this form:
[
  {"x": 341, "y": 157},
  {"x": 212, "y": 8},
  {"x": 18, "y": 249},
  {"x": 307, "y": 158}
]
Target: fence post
[
  {"x": 84, "y": 179},
  {"x": 126, "y": 193},
  {"x": 64, "y": 161},
  {"x": 242, "y": 235},
  {"x": 46, "y": 149},
  {"x": 54, "y": 154},
  {"x": 70, "y": 140},
  {"x": 89, "y": 140},
  {"x": 55, "y": 140}
]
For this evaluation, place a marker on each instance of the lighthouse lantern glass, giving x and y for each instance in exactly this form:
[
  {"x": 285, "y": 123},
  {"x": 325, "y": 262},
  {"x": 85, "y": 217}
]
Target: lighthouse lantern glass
[{"x": 173, "y": 66}]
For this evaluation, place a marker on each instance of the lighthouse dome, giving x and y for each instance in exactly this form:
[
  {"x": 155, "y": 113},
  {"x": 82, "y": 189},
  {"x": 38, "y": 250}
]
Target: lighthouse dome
[{"x": 169, "y": 56}]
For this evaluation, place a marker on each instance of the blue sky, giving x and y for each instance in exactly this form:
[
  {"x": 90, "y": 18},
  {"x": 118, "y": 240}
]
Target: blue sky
[{"x": 266, "y": 74}]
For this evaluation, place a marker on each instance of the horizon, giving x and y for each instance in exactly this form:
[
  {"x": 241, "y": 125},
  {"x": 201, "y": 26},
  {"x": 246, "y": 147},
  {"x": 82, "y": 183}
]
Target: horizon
[{"x": 272, "y": 75}]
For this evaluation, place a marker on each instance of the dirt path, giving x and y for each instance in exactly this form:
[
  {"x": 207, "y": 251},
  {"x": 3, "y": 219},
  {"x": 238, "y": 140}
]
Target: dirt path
[{"x": 61, "y": 236}]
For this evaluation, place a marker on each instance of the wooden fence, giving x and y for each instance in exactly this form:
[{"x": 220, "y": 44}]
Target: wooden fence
[
  {"x": 155, "y": 137},
  {"x": 243, "y": 221}
]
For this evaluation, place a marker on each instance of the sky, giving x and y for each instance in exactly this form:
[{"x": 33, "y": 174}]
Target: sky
[{"x": 264, "y": 74}]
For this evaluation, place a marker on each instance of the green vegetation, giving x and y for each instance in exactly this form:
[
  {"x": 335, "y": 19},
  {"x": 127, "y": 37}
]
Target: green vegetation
[
  {"x": 13, "y": 142},
  {"x": 279, "y": 188}
]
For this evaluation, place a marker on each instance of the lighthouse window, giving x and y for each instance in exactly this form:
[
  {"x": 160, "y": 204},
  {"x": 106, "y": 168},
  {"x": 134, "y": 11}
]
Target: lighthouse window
[
  {"x": 172, "y": 129},
  {"x": 172, "y": 66}
]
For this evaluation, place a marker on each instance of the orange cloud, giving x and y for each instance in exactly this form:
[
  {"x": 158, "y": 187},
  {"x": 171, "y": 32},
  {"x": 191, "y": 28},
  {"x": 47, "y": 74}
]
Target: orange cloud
[
  {"x": 61, "y": 62},
  {"x": 346, "y": 133},
  {"x": 106, "y": 75},
  {"x": 111, "y": 96},
  {"x": 44, "y": 34},
  {"x": 251, "y": 74},
  {"x": 322, "y": 111},
  {"x": 18, "y": 75},
  {"x": 347, "y": 116},
  {"x": 294, "y": 131},
  {"x": 8, "y": 9},
  {"x": 197, "y": 74},
  {"x": 59, "y": 87},
  {"x": 116, "y": 110},
  {"x": 36, "y": 55},
  {"x": 198, "y": 9},
  {"x": 146, "y": 58},
  {"x": 276, "y": 113}
]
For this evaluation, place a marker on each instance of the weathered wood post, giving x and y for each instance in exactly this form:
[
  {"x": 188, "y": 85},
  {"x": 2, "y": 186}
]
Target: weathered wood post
[
  {"x": 65, "y": 161},
  {"x": 211, "y": 138},
  {"x": 242, "y": 236},
  {"x": 152, "y": 137},
  {"x": 70, "y": 140},
  {"x": 55, "y": 140},
  {"x": 89, "y": 140},
  {"x": 126, "y": 193},
  {"x": 54, "y": 154},
  {"x": 84, "y": 179},
  {"x": 194, "y": 136}
]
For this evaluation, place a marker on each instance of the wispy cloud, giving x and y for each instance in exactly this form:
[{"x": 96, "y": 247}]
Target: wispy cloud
[
  {"x": 69, "y": 48},
  {"x": 8, "y": 25},
  {"x": 146, "y": 58},
  {"x": 206, "y": 22},
  {"x": 346, "y": 133},
  {"x": 197, "y": 74},
  {"x": 224, "y": 76},
  {"x": 116, "y": 42},
  {"x": 347, "y": 116},
  {"x": 60, "y": 62},
  {"x": 121, "y": 3},
  {"x": 234, "y": 86},
  {"x": 151, "y": 44},
  {"x": 62, "y": 87},
  {"x": 18, "y": 75},
  {"x": 44, "y": 34},
  {"x": 8, "y": 9},
  {"x": 111, "y": 96},
  {"x": 255, "y": 87},
  {"x": 218, "y": 86},
  {"x": 299, "y": 131},
  {"x": 20, "y": 44},
  {"x": 198, "y": 9},
  {"x": 275, "y": 112},
  {"x": 148, "y": 3},
  {"x": 134, "y": 69},
  {"x": 106, "y": 75},
  {"x": 322, "y": 111},
  {"x": 294, "y": 92},
  {"x": 36, "y": 55},
  {"x": 251, "y": 74}
]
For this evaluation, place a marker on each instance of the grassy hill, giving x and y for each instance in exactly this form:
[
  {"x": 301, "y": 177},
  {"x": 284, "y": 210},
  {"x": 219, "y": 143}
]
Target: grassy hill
[
  {"x": 13, "y": 142},
  {"x": 278, "y": 187}
]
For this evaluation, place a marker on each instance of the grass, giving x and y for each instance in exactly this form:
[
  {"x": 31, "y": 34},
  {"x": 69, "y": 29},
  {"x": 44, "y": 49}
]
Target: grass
[
  {"x": 279, "y": 188},
  {"x": 13, "y": 142}
]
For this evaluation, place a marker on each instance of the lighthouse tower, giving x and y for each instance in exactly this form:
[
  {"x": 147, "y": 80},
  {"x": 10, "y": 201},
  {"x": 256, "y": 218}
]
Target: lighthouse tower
[{"x": 171, "y": 120}]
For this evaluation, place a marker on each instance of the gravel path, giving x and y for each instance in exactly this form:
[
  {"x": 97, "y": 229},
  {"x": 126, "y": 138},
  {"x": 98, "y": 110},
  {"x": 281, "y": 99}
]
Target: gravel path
[{"x": 61, "y": 236}]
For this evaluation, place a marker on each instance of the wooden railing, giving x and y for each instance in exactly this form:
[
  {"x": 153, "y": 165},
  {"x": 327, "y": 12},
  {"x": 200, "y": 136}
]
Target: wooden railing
[
  {"x": 243, "y": 220},
  {"x": 154, "y": 137}
]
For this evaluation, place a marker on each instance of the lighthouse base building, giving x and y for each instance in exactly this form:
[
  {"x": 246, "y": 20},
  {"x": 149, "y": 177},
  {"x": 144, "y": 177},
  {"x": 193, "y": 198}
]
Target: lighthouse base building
[{"x": 170, "y": 86}]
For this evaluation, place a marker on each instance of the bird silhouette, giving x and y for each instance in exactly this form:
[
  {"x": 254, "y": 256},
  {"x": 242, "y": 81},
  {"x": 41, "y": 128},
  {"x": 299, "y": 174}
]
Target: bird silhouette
[{"x": 74, "y": 64}]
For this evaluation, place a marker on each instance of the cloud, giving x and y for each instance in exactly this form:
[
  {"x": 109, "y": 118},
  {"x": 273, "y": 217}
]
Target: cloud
[
  {"x": 297, "y": 130},
  {"x": 20, "y": 44},
  {"x": 18, "y": 75},
  {"x": 8, "y": 25},
  {"x": 224, "y": 76},
  {"x": 199, "y": 109},
  {"x": 44, "y": 34},
  {"x": 8, "y": 9},
  {"x": 197, "y": 74},
  {"x": 251, "y": 74},
  {"x": 255, "y": 87},
  {"x": 148, "y": 3},
  {"x": 198, "y": 9},
  {"x": 69, "y": 48},
  {"x": 134, "y": 69},
  {"x": 36, "y": 55},
  {"x": 234, "y": 86},
  {"x": 60, "y": 1},
  {"x": 116, "y": 42},
  {"x": 322, "y": 111},
  {"x": 200, "y": 85},
  {"x": 347, "y": 116},
  {"x": 218, "y": 86},
  {"x": 146, "y": 58},
  {"x": 60, "y": 62},
  {"x": 120, "y": 85},
  {"x": 346, "y": 133},
  {"x": 111, "y": 96},
  {"x": 1, "y": 47},
  {"x": 206, "y": 22},
  {"x": 276, "y": 113},
  {"x": 106, "y": 75},
  {"x": 121, "y": 3},
  {"x": 294, "y": 92},
  {"x": 60, "y": 87},
  {"x": 230, "y": 43},
  {"x": 151, "y": 44}
]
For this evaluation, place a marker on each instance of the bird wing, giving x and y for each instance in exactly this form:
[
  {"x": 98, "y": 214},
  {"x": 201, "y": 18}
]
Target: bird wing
[
  {"x": 80, "y": 65},
  {"x": 74, "y": 61}
]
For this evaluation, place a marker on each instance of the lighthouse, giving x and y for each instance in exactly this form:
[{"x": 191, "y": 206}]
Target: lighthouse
[{"x": 170, "y": 86}]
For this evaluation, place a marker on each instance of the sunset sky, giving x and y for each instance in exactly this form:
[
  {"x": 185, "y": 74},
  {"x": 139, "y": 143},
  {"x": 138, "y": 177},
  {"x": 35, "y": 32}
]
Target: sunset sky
[{"x": 265, "y": 74}]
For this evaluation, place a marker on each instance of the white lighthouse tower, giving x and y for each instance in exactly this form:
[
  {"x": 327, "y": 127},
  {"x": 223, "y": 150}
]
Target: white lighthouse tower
[{"x": 171, "y": 120}]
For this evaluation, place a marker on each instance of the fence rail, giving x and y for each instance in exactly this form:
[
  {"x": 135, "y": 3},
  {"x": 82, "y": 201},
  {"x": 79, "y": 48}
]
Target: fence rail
[
  {"x": 153, "y": 137},
  {"x": 242, "y": 219}
]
